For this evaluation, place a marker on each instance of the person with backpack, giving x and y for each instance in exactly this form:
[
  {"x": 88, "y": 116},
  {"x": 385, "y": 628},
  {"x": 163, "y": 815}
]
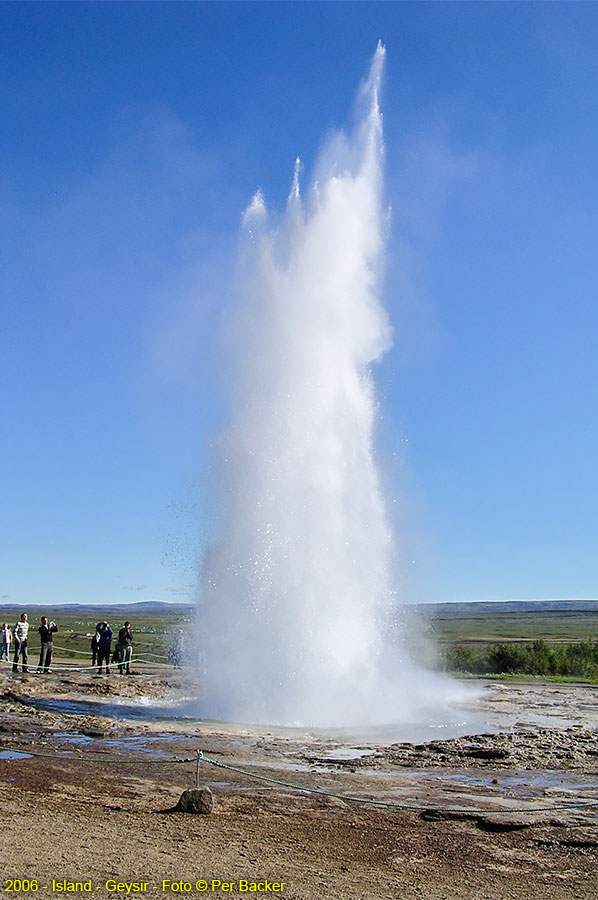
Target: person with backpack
[{"x": 104, "y": 642}]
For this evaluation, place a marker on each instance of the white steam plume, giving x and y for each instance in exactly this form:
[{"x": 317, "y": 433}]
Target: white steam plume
[{"x": 297, "y": 596}]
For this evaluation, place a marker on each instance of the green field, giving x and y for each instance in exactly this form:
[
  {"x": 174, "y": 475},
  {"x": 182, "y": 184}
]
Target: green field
[
  {"x": 154, "y": 629},
  {"x": 549, "y": 642},
  {"x": 553, "y": 626}
]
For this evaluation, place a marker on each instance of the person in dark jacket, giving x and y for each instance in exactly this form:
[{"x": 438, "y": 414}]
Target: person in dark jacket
[
  {"x": 104, "y": 642},
  {"x": 46, "y": 632},
  {"x": 124, "y": 648}
]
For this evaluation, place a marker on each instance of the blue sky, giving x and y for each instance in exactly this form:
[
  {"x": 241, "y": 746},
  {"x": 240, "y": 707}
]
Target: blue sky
[{"x": 134, "y": 134}]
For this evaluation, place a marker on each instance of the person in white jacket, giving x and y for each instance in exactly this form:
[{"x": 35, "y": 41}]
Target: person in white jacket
[
  {"x": 19, "y": 633},
  {"x": 5, "y": 641}
]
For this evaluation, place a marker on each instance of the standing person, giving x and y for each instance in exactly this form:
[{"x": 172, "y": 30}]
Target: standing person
[
  {"x": 94, "y": 644},
  {"x": 19, "y": 632},
  {"x": 5, "y": 640},
  {"x": 124, "y": 648},
  {"x": 176, "y": 651},
  {"x": 46, "y": 631},
  {"x": 104, "y": 641}
]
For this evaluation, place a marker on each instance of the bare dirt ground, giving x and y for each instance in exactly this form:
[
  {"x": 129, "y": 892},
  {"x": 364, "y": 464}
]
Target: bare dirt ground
[{"x": 96, "y": 808}]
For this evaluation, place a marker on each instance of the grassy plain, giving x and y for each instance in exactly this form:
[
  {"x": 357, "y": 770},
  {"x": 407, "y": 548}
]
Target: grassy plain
[
  {"x": 153, "y": 630},
  {"x": 554, "y": 626}
]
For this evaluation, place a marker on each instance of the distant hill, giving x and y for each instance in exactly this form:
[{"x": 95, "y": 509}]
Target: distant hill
[
  {"x": 429, "y": 609},
  {"x": 506, "y": 606},
  {"x": 148, "y": 606}
]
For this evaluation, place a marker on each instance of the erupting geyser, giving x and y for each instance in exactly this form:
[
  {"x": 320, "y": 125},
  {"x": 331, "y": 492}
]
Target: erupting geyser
[{"x": 297, "y": 596}]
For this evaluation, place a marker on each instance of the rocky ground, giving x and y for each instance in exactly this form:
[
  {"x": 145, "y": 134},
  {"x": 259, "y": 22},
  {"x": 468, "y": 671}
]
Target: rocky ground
[{"x": 484, "y": 816}]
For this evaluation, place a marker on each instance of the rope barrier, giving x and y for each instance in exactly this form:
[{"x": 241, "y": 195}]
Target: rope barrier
[
  {"x": 155, "y": 655},
  {"x": 347, "y": 798},
  {"x": 72, "y": 650},
  {"x": 34, "y": 669},
  {"x": 388, "y": 804},
  {"x": 86, "y": 652},
  {"x": 114, "y": 760},
  {"x": 32, "y": 651}
]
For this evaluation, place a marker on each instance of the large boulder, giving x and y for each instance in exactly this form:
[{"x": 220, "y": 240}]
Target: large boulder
[{"x": 197, "y": 800}]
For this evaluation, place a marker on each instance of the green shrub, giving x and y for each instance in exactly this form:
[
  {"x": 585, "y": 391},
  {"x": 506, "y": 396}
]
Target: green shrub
[{"x": 526, "y": 658}]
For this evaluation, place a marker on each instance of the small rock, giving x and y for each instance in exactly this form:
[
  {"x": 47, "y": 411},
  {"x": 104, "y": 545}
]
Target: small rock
[
  {"x": 487, "y": 753},
  {"x": 494, "y": 823},
  {"x": 198, "y": 800},
  {"x": 484, "y": 821},
  {"x": 332, "y": 803}
]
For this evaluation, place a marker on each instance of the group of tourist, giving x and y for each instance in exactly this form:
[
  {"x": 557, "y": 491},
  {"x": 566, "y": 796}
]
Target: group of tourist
[
  {"x": 101, "y": 643},
  {"x": 19, "y": 635},
  {"x": 101, "y": 646}
]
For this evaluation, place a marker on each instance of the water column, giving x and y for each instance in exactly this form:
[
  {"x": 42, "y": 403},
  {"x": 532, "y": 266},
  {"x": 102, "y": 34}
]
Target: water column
[{"x": 297, "y": 593}]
